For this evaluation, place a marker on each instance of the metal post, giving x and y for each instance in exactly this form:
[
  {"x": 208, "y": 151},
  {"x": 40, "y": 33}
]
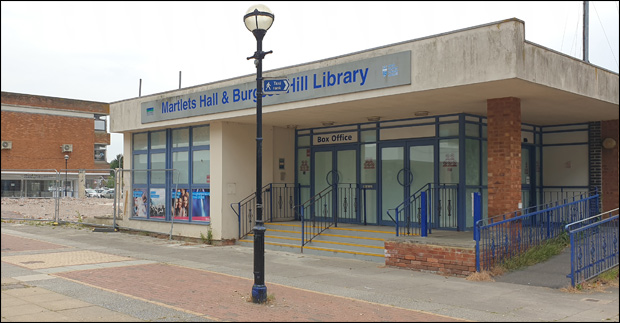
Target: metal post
[
  {"x": 259, "y": 290},
  {"x": 66, "y": 174}
]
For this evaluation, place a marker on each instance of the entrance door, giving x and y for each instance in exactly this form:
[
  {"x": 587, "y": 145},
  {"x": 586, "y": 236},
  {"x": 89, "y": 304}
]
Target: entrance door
[
  {"x": 528, "y": 187},
  {"x": 337, "y": 166},
  {"x": 406, "y": 168}
]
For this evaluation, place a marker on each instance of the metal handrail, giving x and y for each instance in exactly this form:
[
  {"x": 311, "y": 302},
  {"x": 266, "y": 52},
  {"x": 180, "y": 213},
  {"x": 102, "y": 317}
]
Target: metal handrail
[{"x": 309, "y": 232}]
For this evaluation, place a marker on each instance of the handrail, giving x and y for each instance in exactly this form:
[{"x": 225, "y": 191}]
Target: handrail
[
  {"x": 593, "y": 245},
  {"x": 272, "y": 209},
  {"x": 425, "y": 216},
  {"x": 309, "y": 232},
  {"x": 499, "y": 241},
  {"x": 535, "y": 208}
]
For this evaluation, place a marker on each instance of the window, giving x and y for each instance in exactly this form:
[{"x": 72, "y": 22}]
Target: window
[
  {"x": 183, "y": 194},
  {"x": 100, "y": 152},
  {"x": 100, "y": 122}
]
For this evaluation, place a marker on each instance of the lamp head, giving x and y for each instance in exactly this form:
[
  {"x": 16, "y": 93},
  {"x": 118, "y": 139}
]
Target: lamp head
[
  {"x": 258, "y": 19},
  {"x": 66, "y": 157}
]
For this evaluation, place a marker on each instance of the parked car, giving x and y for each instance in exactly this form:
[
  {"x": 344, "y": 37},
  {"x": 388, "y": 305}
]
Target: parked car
[
  {"x": 92, "y": 193},
  {"x": 108, "y": 193}
]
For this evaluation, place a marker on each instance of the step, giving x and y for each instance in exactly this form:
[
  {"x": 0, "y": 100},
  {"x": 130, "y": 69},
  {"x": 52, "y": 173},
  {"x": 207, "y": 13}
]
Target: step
[{"x": 349, "y": 241}]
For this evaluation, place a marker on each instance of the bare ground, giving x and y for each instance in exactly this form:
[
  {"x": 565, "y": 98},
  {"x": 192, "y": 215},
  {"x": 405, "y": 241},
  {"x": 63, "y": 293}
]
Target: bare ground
[{"x": 70, "y": 209}]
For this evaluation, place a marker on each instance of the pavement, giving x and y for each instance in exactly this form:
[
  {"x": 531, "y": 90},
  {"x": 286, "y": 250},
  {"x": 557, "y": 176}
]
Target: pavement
[{"x": 66, "y": 273}]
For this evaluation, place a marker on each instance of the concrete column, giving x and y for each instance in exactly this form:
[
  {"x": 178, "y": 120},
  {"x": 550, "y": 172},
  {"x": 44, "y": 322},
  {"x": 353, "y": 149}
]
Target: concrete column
[
  {"x": 609, "y": 165},
  {"x": 504, "y": 155},
  {"x": 81, "y": 183}
]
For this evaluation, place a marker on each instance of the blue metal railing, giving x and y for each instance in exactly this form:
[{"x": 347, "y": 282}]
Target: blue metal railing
[
  {"x": 431, "y": 206},
  {"x": 503, "y": 237},
  {"x": 278, "y": 204},
  {"x": 594, "y": 246}
]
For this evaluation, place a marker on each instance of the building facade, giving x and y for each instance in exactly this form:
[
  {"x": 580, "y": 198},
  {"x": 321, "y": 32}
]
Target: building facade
[
  {"x": 474, "y": 110},
  {"x": 43, "y": 137}
]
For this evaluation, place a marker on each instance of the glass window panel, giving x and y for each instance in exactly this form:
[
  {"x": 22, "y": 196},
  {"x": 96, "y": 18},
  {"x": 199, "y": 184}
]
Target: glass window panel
[
  {"x": 565, "y": 165},
  {"x": 369, "y": 163},
  {"x": 485, "y": 173},
  {"x": 449, "y": 161},
  {"x": 201, "y": 163},
  {"x": 140, "y": 162},
  {"x": 303, "y": 167},
  {"x": 565, "y": 137},
  {"x": 201, "y": 136},
  {"x": 472, "y": 160},
  {"x": 527, "y": 136},
  {"x": 180, "y": 162},
  {"x": 140, "y": 141},
  {"x": 407, "y": 132},
  {"x": 180, "y": 138},
  {"x": 369, "y": 136},
  {"x": 303, "y": 141},
  {"x": 484, "y": 131},
  {"x": 472, "y": 130},
  {"x": 158, "y": 140},
  {"x": 158, "y": 161},
  {"x": 449, "y": 129}
]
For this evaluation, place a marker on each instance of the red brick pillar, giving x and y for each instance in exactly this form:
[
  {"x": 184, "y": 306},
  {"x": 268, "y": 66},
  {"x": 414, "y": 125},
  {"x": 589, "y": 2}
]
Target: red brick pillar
[
  {"x": 609, "y": 166},
  {"x": 504, "y": 154}
]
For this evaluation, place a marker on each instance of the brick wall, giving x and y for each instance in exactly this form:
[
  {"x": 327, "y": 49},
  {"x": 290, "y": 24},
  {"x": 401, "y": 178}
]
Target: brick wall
[
  {"x": 609, "y": 167},
  {"x": 37, "y": 139},
  {"x": 55, "y": 103},
  {"x": 504, "y": 155},
  {"x": 446, "y": 260}
]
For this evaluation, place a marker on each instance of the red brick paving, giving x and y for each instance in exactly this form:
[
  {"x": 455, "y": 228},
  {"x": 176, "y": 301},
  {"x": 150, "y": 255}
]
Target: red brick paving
[
  {"x": 16, "y": 244},
  {"x": 225, "y": 297}
]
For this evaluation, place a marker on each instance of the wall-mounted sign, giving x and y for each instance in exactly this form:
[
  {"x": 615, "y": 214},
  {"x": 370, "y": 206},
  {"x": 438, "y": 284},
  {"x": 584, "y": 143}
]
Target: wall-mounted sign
[
  {"x": 335, "y": 138},
  {"x": 368, "y": 74}
]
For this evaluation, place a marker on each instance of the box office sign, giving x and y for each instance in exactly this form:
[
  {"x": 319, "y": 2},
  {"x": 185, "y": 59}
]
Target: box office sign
[{"x": 363, "y": 75}]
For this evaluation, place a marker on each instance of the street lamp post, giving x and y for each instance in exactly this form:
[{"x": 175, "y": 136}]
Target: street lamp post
[
  {"x": 258, "y": 20},
  {"x": 66, "y": 177}
]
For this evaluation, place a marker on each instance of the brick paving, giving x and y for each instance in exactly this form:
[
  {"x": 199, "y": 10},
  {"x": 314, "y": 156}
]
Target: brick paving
[
  {"x": 12, "y": 243},
  {"x": 227, "y": 298}
]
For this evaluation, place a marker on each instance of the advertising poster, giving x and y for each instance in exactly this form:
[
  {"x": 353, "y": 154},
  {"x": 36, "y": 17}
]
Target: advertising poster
[
  {"x": 201, "y": 201},
  {"x": 180, "y": 204},
  {"x": 158, "y": 203},
  {"x": 140, "y": 202}
]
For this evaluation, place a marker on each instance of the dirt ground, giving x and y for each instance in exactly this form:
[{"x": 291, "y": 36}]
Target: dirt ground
[{"x": 70, "y": 209}]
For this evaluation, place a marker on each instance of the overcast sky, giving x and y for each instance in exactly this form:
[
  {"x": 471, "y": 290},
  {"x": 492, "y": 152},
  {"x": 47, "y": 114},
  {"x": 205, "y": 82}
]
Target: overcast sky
[{"x": 99, "y": 51}]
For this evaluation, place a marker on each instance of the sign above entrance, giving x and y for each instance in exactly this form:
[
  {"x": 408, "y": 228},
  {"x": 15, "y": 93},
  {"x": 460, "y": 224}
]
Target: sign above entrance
[
  {"x": 357, "y": 76},
  {"x": 335, "y": 138},
  {"x": 275, "y": 86}
]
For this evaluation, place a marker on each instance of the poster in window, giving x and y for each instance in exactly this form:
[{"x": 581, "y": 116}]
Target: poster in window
[
  {"x": 201, "y": 200},
  {"x": 158, "y": 203},
  {"x": 180, "y": 204},
  {"x": 140, "y": 202}
]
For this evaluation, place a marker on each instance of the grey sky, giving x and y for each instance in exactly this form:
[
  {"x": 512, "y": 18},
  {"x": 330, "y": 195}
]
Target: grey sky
[{"x": 99, "y": 51}]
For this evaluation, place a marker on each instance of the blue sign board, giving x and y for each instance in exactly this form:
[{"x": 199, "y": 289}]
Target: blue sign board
[
  {"x": 274, "y": 86},
  {"x": 363, "y": 75}
]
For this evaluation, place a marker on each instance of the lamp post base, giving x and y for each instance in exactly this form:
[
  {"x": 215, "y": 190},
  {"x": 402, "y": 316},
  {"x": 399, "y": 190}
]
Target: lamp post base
[{"x": 259, "y": 294}]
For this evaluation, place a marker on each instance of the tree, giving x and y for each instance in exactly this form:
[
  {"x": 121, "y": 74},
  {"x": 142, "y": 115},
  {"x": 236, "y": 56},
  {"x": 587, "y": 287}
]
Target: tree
[{"x": 116, "y": 163}]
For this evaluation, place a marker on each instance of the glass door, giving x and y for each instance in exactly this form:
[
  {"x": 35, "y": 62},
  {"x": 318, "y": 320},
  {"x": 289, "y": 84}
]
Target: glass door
[
  {"x": 406, "y": 169},
  {"x": 336, "y": 167},
  {"x": 528, "y": 191}
]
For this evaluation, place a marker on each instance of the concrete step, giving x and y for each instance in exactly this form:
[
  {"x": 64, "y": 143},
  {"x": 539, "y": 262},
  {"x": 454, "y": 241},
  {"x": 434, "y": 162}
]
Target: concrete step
[{"x": 350, "y": 241}]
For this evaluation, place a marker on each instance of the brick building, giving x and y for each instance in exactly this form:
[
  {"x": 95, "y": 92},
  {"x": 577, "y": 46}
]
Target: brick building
[{"x": 39, "y": 131}]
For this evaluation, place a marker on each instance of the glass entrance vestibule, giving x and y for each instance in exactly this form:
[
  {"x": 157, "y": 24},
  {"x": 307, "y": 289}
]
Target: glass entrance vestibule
[{"x": 375, "y": 167}]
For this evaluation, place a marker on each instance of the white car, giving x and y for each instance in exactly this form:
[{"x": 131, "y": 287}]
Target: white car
[
  {"x": 108, "y": 193},
  {"x": 92, "y": 193}
]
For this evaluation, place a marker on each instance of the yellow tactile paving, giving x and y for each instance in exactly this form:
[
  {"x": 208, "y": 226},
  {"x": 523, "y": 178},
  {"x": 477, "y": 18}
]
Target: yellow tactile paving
[{"x": 61, "y": 259}]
